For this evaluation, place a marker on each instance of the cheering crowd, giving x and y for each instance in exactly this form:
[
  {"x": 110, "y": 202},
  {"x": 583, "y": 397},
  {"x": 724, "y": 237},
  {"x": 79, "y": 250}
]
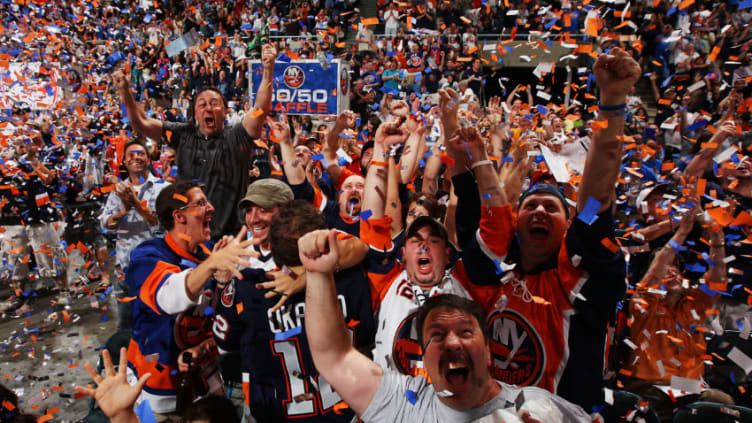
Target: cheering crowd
[{"x": 459, "y": 244}]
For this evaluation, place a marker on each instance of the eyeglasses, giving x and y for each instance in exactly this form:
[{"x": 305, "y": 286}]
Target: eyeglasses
[{"x": 202, "y": 203}]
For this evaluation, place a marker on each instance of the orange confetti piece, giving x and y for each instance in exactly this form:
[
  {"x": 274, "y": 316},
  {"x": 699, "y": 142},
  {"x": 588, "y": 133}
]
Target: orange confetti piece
[
  {"x": 257, "y": 113},
  {"x": 180, "y": 197},
  {"x": 126, "y": 299},
  {"x": 184, "y": 237},
  {"x": 685, "y": 4},
  {"x": 239, "y": 308},
  {"x": 606, "y": 242},
  {"x": 340, "y": 406},
  {"x": 701, "y": 187}
]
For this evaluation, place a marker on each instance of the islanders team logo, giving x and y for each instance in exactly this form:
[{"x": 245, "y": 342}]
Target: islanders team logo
[
  {"x": 344, "y": 84},
  {"x": 406, "y": 350},
  {"x": 228, "y": 295},
  {"x": 516, "y": 349},
  {"x": 294, "y": 76}
]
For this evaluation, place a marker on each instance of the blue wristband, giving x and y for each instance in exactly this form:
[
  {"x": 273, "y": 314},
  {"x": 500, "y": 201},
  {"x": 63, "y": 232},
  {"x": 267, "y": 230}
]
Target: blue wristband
[{"x": 614, "y": 108}]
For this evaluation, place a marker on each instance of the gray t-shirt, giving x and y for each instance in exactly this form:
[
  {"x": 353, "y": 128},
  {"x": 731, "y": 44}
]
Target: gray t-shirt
[{"x": 392, "y": 404}]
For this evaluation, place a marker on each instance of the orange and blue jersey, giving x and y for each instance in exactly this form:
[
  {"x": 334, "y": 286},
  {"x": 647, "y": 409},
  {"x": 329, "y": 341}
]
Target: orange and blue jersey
[
  {"x": 280, "y": 382},
  {"x": 548, "y": 327},
  {"x": 164, "y": 321}
]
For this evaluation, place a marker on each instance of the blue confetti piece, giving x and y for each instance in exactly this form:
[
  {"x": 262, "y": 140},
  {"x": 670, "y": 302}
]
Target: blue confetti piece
[
  {"x": 676, "y": 247},
  {"x": 288, "y": 334},
  {"x": 487, "y": 196},
  {"x": 342, "y": 162},
  {"x": 318, "y": 157},
  {"x": 498, "y": 267},
  {"x": 695, "y": 267},
  {"x": 589, "y": 213},
  {"x": 542, "y": 109},
  {"x": 208, "y": 311},
  {"x": 411, "y": 397},
  {"x": 144, "y": 412},
  {"x": 745, "y": 4},
  {"x": 104, "y": 319},
  {"x": 366, "y": 214}
]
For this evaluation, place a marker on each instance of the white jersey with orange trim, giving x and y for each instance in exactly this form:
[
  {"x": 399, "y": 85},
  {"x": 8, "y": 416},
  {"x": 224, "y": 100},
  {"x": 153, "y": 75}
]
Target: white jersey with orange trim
[
  {"x": 396, "y": 299},
  {"x": 397, "y": 345}
]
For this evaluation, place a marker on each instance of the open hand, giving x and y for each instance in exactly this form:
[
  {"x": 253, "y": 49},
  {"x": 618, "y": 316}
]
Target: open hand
[{"x": 113, "y": 393}]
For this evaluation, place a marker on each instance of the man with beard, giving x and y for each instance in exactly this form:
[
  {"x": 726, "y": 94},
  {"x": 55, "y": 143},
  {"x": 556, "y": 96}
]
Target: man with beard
[
  {"x": 207, "y": 151},
  {"x": 129, "y": 212},
  {"x": 456, "y": 354}
]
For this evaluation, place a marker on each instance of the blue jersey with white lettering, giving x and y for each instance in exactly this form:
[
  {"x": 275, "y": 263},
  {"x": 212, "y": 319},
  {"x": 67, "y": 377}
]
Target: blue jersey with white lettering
[{"x": 280, "y": 382}]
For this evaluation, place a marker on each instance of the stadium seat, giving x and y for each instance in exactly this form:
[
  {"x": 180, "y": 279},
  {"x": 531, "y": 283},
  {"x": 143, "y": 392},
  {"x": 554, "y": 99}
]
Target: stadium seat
[
  {"x": 627, "y": 407},
  {"x": 702, "y": 412}
]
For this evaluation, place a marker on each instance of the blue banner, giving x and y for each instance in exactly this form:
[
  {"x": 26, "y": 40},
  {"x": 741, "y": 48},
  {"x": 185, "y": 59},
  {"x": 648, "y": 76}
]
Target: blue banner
[{"x": 301, "y": 87}]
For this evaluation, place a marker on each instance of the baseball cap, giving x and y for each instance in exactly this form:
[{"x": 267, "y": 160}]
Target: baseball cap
[
  {"x": 268, "y": 192},
  {"x": 546, "y": 188},
  {"x": 437, "y": 229}
]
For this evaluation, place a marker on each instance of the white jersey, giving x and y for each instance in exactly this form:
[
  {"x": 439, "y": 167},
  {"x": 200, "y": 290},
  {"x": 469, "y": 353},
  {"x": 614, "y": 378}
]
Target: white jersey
[
  {"x": 397, "y": 345},
  {"x": 264, "y": 261}
]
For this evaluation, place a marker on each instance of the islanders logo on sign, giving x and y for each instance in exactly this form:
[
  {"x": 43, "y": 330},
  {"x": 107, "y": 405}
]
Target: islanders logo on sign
[
  {"x": 406, "y": 350},
  {"x": 516, "y": 348},
  {"x": 294, "y": 76}
]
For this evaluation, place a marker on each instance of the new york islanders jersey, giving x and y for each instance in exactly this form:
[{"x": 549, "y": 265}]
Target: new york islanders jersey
[
  {"x": 396, "y": 300},
  {"x": 166, "y": 320},
  {"x": 280, "y": 382},
  {"x": 548, "y": 328}
]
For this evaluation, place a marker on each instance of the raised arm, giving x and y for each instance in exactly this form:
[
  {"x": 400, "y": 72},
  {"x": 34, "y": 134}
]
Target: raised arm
[
  {"x": 665, "y": 256},
  {"x": 294, "y": 170},
  {"x": 253, "y": 122},
  {"x": 469, "y": 142},
  {"x": 149, "y": 127},
  {"x": 355, "y": 377},
  {"x": 615, "y": 74},
  {"x": 344, "y": 121},
  {"x": 414, "y": 149},
  {"x": 374, "y": 194}
]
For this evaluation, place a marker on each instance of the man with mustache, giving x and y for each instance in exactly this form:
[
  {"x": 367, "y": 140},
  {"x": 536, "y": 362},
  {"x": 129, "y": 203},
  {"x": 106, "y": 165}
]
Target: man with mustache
[{"x": 456, "y": 354}]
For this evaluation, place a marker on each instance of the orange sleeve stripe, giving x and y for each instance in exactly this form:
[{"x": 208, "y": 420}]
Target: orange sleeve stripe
[
  {"x": 380, "y": 285},
  {"x": 319, "y": 199},
  {"x": 377, "y": 233},
  {"x": 158, "y": 380},
  {"x": 148, "y": 291},
  {"x": 497, "y": 226}
]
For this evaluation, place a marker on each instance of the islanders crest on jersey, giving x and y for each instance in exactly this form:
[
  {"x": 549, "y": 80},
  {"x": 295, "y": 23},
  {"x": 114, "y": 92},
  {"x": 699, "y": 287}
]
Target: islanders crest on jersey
[{"x": 516, "y": 348}]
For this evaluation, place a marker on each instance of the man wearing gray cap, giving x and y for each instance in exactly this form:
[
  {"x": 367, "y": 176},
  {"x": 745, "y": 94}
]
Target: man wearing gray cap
[{"x": 260, "y": 204}]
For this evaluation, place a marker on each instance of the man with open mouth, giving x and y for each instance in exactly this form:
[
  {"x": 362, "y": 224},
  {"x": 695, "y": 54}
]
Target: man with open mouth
[
  {"x": 207, "y": 150},
  {"x": 172, "y": 281},
  {"x": 456, "y": 352},
  {"x": 558, "y": 279}
]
